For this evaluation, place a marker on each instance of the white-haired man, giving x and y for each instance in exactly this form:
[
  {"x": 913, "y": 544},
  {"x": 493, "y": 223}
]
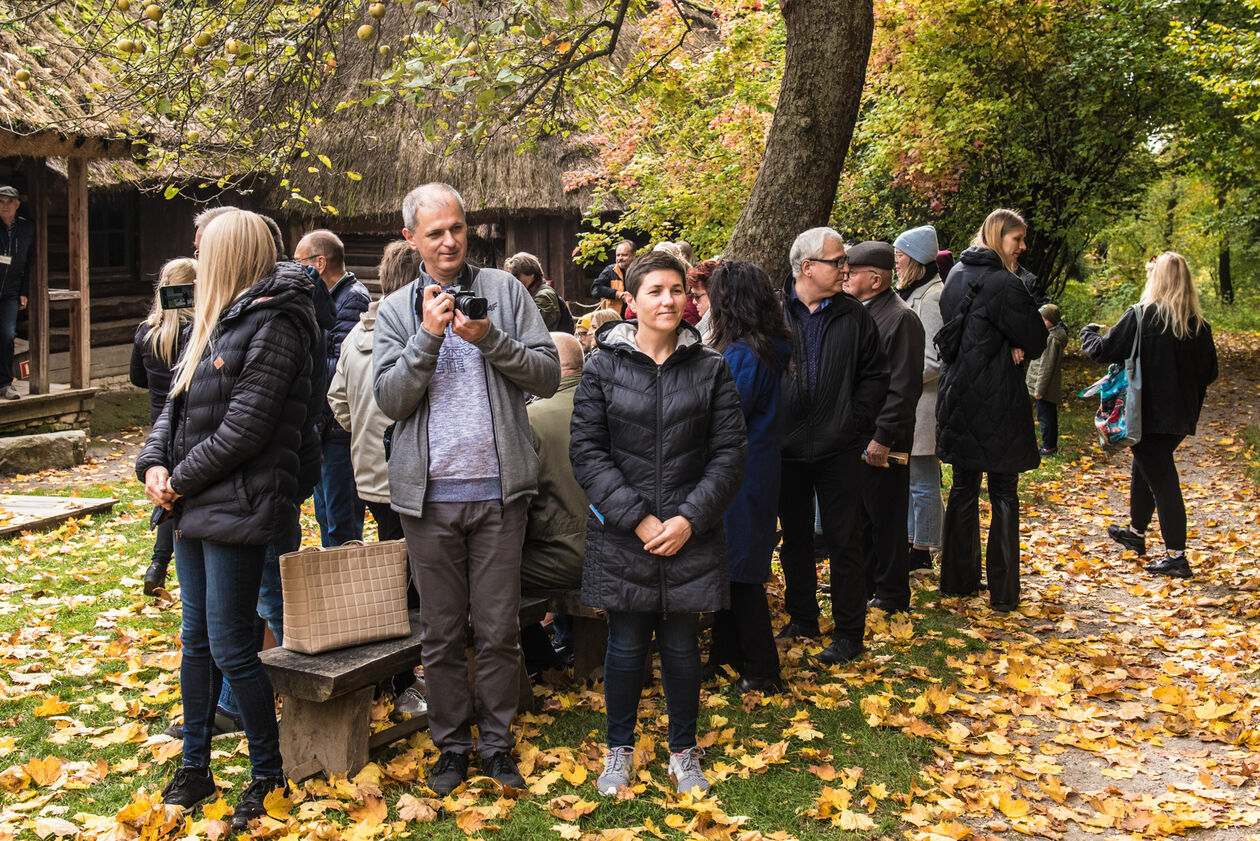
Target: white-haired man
[{"x": 453, "y": 373}]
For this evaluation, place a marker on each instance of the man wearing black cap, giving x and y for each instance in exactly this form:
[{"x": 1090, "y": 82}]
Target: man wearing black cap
[
  {"x": 15, "y": 247},
  {"x": 881, "y": 534}
]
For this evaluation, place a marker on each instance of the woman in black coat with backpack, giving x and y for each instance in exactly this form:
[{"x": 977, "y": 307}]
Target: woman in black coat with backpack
[
  {"x": 983, "y": 419},
  {"x": 658, "y": 443},
  {"x": 223, "y": 459},
  {"x": 1178, "y": 363}
]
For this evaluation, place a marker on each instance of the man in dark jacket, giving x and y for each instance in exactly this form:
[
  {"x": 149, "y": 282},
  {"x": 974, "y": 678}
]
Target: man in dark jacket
[
  {"x": 831, "y": 397},
  {"x": 880, "y": 538},
  {"x": 337, "y": 505},
  {"x": 461, "y": 469},
  {"x": 610, "y": 285},
  {"x": 15, "y": 248}
]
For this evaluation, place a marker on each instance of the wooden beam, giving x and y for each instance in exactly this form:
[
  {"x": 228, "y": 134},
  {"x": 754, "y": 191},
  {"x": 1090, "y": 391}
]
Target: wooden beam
[
  {"x": 37, "y": 306},
  {"x": 80, "y": 310},
  {"x": 54, "y": 144}
]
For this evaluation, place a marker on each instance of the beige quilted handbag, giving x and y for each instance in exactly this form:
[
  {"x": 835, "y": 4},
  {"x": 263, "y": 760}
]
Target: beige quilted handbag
[{"x": 343, "y": 596}]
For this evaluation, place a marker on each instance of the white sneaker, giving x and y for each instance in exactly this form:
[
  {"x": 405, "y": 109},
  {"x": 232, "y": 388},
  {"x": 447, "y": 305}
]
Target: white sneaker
[
  {"x": 10, "y": 392},
  {"x": 618, "y": 766},
  {"x": 684, "y": 771},
  {"x": 411, "y": 702}
]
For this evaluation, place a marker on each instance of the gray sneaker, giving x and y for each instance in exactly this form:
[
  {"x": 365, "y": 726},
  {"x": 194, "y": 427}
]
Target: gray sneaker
[
  {"x": 618, "y": 766},
  {"x": 684, "y": 771},
  {"x": 10, "y": 392}
]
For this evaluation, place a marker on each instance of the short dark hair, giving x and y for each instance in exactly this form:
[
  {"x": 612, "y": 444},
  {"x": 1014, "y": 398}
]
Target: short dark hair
[
  {"x": 400, "y": 264},
  {"x": 653, "y": 261}
]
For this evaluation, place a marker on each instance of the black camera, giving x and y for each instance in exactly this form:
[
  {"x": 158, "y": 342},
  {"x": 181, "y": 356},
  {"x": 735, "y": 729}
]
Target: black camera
[
  {"x": 177, "y": 296},
  {"x": 472, "y": 306}
]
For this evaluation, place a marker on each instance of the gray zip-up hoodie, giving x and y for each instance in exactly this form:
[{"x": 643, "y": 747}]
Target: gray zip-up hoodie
[{"x": 518, "y": 357}]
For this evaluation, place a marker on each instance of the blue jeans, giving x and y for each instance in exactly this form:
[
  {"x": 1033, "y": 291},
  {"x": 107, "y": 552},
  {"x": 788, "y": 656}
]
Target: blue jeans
[
  {"x": 1048, "y": 418},
  {"x": 337, "y": 505},
  {"x": 270, "y": 603},
  {"x": 8, "y": 332},
  {"x": 927, "y": 514},
  {"x": 678, "y": 639},
  {"x": 219, "y": 585}
]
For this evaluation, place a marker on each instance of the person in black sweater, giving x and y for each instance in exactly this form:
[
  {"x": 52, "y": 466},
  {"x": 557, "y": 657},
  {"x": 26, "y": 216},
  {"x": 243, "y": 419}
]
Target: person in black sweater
[
  {"x": 1178, "y": 363},
  {"x": 223, "y": 458},
  {"x": 159, "y": 340}
]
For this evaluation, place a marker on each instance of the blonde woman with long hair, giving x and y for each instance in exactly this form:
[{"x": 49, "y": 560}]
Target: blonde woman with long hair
[
  {"x": 1178, "y": 363},
  {"x": 159, "y": 340},
  {"x": 223, "y": 460},
  {"x": 983, "y": 422}
]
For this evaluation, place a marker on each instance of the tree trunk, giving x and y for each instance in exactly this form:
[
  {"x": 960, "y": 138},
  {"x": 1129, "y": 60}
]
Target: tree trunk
[
  {"x": 828, "y": 44},
  {"x": 1223, "y": 270}
]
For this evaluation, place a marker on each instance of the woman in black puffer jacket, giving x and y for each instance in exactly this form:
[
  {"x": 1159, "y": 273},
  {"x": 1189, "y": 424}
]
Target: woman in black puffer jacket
[
  {"x": 983, "y": 421},
  {"x": 159, "y": 341},
  {"x": 223, "y": 458},
  {"x": 658, "y": 444}
]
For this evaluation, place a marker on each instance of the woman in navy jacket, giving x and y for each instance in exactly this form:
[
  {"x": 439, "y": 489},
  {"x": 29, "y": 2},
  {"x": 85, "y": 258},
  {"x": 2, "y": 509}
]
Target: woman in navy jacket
[
  {"x": 751, "y": 333},
  {"x": 657, "y": 442},
  {"x": 223, "y": 458}
]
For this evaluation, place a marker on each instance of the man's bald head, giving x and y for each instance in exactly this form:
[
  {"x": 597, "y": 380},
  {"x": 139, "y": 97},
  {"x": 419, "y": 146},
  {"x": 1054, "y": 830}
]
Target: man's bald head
[{"x": 570, "y": 350}]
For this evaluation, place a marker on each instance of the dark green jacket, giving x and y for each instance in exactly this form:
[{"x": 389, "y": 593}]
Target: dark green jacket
[{"x": 555, "y": 533}]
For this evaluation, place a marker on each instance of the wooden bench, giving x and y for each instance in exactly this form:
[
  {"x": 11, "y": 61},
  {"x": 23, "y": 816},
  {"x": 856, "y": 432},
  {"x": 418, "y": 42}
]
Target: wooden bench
[{"x": 325, "y": 726}]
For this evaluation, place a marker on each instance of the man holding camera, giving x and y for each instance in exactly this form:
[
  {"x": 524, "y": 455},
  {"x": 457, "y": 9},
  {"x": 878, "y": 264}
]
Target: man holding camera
[{"x": 454, "y": 355}]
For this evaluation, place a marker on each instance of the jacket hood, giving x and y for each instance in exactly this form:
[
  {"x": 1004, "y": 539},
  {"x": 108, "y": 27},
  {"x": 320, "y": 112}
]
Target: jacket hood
[
  {"x": 618, "y": 336},
  {"x": 977, "y": 256},
  {"x": 367, "y": 325},
  {"x": 289, "y": 288}
]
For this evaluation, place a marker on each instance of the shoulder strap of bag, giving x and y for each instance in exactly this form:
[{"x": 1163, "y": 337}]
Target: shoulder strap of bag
[{"x": 1137, "y": 336}]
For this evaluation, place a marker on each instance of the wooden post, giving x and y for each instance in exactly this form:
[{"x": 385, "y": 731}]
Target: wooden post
[
  {"x": 37, "y": 303},
  {"x": 80, "y": 310}
]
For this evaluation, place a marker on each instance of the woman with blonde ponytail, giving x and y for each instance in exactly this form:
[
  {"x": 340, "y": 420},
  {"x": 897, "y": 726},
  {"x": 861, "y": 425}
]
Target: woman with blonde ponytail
[
  {"x": 222, "y": 458},
  {"x": 1178, "y": 363},
  {"x": 983, "y": 419},
  {"x": 159, "y": 341}
]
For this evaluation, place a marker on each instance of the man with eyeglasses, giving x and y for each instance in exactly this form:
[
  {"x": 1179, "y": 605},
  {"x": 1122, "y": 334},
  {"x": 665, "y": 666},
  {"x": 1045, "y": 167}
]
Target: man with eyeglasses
[
  {"x": 337, "y": 505},
  {"x": 831, "y": 397},
  {"x": 880, "y": 539}
]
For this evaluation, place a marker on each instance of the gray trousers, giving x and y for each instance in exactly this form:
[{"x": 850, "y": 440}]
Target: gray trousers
[{"x": 466, "y": 561}]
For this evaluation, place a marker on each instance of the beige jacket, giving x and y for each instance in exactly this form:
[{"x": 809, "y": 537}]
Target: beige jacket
[
  {"x": 925, "y": 300},
  {"x": 354, "y": 407}
]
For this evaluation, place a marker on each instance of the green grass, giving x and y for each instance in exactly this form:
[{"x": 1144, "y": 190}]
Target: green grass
[
  {"x": 71, "y": 614},
  {"x": 117, "y": 410}
]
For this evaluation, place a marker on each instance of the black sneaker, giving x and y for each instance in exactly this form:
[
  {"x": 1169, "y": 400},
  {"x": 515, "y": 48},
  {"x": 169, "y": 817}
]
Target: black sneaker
[
  {"x": 920, "y": 559},
  {"x": 449, "y": 771},
  {"x": 1127, "y": 538},
  {"x": 154, "y": 578},
  {"x": 190, "y": 788},
  {"x": 224, "y": 724},
  {"x": 250, "y": 806},
  {"x": 799, "y": 630},
  {"x": 1174, "y": 566},
  {"x": 840, "y": 651},
  {"x": 500, "y": 766},
  {"x": 889, "y": 606}
]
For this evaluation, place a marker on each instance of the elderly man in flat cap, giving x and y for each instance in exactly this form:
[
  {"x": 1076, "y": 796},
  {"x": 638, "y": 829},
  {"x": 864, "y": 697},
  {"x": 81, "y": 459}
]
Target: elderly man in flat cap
[
  {"x": 880, "y": 537},
  {"x": 15, "y": 247}
]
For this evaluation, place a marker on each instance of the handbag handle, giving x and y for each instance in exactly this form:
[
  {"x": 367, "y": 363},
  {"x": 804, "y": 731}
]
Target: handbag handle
[{"x": 1137, "y": 336}]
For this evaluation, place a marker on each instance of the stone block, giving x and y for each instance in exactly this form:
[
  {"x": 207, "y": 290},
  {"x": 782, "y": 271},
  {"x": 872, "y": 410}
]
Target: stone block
[{"x": 32, "y": 453}]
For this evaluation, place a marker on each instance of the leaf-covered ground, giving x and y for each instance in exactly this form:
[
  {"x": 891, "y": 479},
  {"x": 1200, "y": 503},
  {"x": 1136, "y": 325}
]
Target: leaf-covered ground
[{"x": 1113, "y": 705}]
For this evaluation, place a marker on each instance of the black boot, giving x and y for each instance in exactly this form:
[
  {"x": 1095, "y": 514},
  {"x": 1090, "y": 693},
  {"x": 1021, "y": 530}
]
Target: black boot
[{"x": 155, "y": 577}]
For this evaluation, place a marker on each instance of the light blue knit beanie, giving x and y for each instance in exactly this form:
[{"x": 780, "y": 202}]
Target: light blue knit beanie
[{"x": 919, "y": 244}]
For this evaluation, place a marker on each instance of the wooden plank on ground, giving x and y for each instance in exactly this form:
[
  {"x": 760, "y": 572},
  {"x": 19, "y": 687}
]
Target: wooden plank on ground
[{"x": 20, "y": 513}]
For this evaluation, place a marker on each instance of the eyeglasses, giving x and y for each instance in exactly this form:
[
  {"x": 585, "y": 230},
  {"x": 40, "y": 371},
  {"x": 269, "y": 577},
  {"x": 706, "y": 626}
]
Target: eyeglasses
[
  {"x": 308, "y": 257},
  {"x": 838, "y": 262}
]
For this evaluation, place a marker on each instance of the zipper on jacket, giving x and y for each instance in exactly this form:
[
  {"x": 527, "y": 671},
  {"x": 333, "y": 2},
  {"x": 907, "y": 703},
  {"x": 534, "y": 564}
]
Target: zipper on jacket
[{"x": 660, "y": 473}]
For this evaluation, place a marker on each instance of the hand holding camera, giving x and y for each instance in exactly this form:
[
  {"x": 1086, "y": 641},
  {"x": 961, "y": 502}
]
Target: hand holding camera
[{"x": 467, "y": 313}]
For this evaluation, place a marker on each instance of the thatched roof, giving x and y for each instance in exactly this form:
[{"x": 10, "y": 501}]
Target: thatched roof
[{"x": 51, "y": 113}]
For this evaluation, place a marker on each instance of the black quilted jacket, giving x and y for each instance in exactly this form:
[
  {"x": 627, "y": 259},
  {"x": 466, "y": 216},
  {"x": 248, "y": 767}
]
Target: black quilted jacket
[
  {"x": 656, "y": 439},
  {"x": 983, "y": 417},
  {"x": 231, "y": 441}
]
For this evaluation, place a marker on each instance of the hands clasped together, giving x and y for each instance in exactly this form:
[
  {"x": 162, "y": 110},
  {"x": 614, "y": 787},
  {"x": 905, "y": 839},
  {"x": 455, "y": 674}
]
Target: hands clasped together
[{"x": 665, "y": 538}]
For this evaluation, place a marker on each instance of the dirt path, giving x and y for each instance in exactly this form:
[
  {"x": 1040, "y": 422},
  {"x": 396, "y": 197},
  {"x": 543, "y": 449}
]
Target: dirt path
[{"x": 1120, "y": 704}]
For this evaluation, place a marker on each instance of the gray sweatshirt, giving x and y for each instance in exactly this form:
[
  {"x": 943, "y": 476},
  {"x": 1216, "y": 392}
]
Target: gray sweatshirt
[{"x": 518, "y": 357}]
